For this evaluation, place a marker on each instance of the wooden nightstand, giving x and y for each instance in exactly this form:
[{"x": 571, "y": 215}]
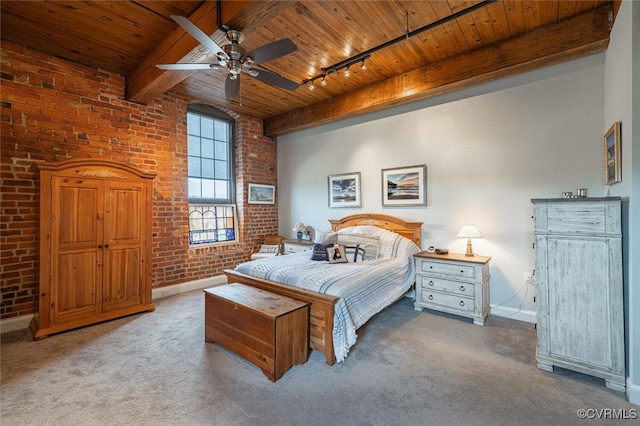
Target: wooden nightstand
[
  {"x": 296, "y": 246},
  {"x": 453, "y": 283}
]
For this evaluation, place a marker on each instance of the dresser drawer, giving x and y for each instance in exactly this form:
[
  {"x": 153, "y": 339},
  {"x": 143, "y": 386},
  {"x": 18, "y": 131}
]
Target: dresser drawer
[
  {"x": 449, "y": 268},
  {"x": 439, "y": 284},
  {"x": 448, "y": 300}
]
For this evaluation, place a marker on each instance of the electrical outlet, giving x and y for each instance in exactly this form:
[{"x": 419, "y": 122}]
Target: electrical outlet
[{"x": 527, "y": 277}]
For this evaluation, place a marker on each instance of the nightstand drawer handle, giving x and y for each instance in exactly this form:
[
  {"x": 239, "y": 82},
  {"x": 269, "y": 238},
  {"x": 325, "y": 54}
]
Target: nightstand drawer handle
[
  {"x": 430, "y": 297},
  {"x": 431, "y": 283},
  {"x": 462, "y": 303},
  {"x": 462, "y": 271},
  {"x": 461, "y": 288}
]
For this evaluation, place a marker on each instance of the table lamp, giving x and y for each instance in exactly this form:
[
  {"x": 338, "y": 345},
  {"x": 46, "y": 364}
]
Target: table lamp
[{"x": 469, "y": 232}]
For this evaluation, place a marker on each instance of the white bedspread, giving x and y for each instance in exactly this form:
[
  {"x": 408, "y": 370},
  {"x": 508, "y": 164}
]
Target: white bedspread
[{"x": 364, "y": 288}]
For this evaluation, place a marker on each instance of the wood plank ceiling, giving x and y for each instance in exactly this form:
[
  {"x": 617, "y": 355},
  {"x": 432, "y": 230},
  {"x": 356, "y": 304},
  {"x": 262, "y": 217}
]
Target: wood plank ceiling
[{"x": 498, "y": 39}]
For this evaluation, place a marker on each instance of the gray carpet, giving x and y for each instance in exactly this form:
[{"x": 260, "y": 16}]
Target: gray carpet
[{"x": 407, "y": 368}]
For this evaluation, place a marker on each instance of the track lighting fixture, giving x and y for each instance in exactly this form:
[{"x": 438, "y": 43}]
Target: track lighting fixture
[
  {"x": 312, "y": 87},
  {"x": 363, "y": 67},
  {"x": 323, "y": 82},
  {"x": 346, "y": 73}
]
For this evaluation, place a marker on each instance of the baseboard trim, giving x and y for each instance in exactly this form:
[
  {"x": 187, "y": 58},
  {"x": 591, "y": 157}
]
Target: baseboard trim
[
  {"x": 22, "y": 321},
  {"x": 15, "y": 323},
  {"x": 633, "y": 392},
  {"x": 516, "y": 314},
  {"x": 200, "y": 284}
]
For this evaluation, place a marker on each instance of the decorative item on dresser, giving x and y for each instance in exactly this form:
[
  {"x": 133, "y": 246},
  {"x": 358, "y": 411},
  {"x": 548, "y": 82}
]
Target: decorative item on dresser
[
  {"x": 453, "y": 283},
  {"x": 579, "y": 306},
  {"x": 95, "y": 244},
  {"x": 296, "y": 246},
  {"x": 469, "y": 232}
]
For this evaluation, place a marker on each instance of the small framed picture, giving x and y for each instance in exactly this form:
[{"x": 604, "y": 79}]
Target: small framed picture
[
  {"x": 612, "y": 168},
  {"x": 261, "y": 194},
  {"x": 344, "y": 190},
  {"x": 404, "y": 186}
]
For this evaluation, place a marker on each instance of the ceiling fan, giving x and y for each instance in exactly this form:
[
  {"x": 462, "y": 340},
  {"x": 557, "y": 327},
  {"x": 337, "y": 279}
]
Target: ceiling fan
[{"x": 232, "y": 56}]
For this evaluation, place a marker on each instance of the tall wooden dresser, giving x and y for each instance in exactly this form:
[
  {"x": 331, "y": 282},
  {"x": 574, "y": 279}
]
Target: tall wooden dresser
[
  {"x": 95, "y": 244},
  {"x": 579, "y": 302}
]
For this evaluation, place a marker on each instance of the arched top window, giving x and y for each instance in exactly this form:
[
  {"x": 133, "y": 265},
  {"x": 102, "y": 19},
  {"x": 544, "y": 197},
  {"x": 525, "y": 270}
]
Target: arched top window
[{"x": 211, "y": 175}]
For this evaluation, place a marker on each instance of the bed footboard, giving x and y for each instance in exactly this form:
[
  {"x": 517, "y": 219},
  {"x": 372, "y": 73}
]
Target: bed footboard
[{"x": 321, "y": 311}]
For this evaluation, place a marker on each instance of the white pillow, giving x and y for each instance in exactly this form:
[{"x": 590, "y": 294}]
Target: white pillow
[
  {"x": 370, "y": 243},
  {"x": 268, "y": 248},
  {"x": 326, "y": 237}
]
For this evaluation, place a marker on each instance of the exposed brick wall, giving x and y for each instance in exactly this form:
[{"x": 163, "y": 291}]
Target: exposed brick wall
[{"x": 54, "y": 110}]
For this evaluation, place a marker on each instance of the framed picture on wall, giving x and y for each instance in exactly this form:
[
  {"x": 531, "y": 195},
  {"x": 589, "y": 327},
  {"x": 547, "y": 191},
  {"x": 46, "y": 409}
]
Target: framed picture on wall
[
  {"x": 344, "y": 190},
  {"x": 261, "y": 194},
  {"x": 404, "y": 186},
  {"x": 612, "y": 168}
]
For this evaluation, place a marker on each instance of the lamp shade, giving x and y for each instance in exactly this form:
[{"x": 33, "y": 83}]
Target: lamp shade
[{"x": 469, "y": 231}]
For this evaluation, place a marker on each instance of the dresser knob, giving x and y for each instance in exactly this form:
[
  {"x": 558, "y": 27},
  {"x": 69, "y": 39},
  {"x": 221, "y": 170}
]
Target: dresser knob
[
  {"x": 431, "y": 283},
  {"x": 462, "y": 271},
  {"x": 430, "y": 297},
  {"x": 461, "y": 288},
  {"x": 462, "y": 303}
]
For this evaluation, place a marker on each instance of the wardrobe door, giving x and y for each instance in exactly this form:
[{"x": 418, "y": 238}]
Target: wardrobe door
[
  {"x": 76, "y": 253},
  {"x": 125, "y": 225}
]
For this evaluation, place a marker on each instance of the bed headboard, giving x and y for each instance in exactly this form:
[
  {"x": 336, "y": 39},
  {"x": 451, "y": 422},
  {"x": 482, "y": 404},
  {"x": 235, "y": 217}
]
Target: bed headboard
[{"x": 410, "y": 230}]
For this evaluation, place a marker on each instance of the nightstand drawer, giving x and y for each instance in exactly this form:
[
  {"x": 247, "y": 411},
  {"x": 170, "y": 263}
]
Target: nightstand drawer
[
  {"x": 455, "y": 287},
  {"x": 448, "y": 300},
  {"x": 450, "y": 269}
]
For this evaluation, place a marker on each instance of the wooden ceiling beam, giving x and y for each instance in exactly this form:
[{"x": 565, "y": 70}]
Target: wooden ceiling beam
[
  {"x": 148, "y": 82},
  {"x": 575, "y": 37}
]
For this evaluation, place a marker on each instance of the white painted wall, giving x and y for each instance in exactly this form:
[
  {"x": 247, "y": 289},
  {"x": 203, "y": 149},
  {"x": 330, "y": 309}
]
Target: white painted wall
[
  {"x": 488, "y": 150},
  {"x": 622, "y": 103}
]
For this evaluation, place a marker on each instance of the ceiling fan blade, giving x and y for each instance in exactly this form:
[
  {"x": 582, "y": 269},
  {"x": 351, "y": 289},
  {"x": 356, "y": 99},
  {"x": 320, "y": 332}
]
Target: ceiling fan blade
[
  {"x": 276, "y": 80},
  {"x": 198, "y": 34},
  {"x": 178, "y": 67},
  {"x": 232, "y": 87},
  {"x": 272, "y": 51}
]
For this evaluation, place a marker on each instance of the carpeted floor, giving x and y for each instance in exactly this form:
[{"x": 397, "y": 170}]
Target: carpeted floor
[{"x": 408, "y": 368}]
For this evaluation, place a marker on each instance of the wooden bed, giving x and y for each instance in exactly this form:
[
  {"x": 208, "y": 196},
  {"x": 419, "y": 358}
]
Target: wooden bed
[{"x": 322, "y": 305}]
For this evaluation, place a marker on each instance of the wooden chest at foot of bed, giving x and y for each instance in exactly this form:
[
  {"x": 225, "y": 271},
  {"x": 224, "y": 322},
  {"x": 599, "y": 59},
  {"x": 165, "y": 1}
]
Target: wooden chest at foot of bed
[{"x": 267, "y": 329}]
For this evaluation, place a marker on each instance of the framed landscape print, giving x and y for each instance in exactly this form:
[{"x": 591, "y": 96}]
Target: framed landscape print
[
  {"x": 261, "y": 194},
  {"x": 404, "y": 186},
  {"x": 344, "y": 190},
  {"x": 612, "y": 169}
]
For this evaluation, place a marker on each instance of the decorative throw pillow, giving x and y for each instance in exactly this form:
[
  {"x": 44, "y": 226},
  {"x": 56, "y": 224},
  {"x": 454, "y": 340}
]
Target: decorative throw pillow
[
  {"x": 319, "y": 251},
  {"x": 268, "y": 248},
  {"x": 354, "y": 253},
  {"x": 337, "y": 254},
  {"x": 326, "y": 237},
  {"x": 370, "y": 243}
]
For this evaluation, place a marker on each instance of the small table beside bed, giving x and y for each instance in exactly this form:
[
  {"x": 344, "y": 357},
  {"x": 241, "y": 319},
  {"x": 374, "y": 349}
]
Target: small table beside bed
[{"x": 343, "y": 296}]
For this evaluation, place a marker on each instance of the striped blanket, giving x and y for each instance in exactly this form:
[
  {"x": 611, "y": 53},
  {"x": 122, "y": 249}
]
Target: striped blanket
[{"x": 364, "y": 288}]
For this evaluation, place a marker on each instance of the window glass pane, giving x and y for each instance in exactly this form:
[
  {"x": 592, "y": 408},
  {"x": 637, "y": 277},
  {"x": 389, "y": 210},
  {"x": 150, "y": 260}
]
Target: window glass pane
[
  {"x": 207, "y": 224},
  {"x": 221, "y": 150},
  {"x": 207, "y": 148},
  {"x": 222, "y": 168},
  {"x": 208, "y": 189},
  {"x": 207, "y": 168},
  {"x": 194, "y": 166},
  {"x": 193, "y": 124},
  {"x": 222, "y": 189},
  {"x": 221, "y": 131},
  {"x": 194, "y": 188},
  {"x": 193, "y": 145},
  {"x": 206, "y": 127}
]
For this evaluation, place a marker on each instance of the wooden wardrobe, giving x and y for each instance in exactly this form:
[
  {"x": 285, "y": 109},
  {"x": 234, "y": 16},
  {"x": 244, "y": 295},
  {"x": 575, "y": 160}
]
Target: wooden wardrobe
[{"x": 95, "y": 244}]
